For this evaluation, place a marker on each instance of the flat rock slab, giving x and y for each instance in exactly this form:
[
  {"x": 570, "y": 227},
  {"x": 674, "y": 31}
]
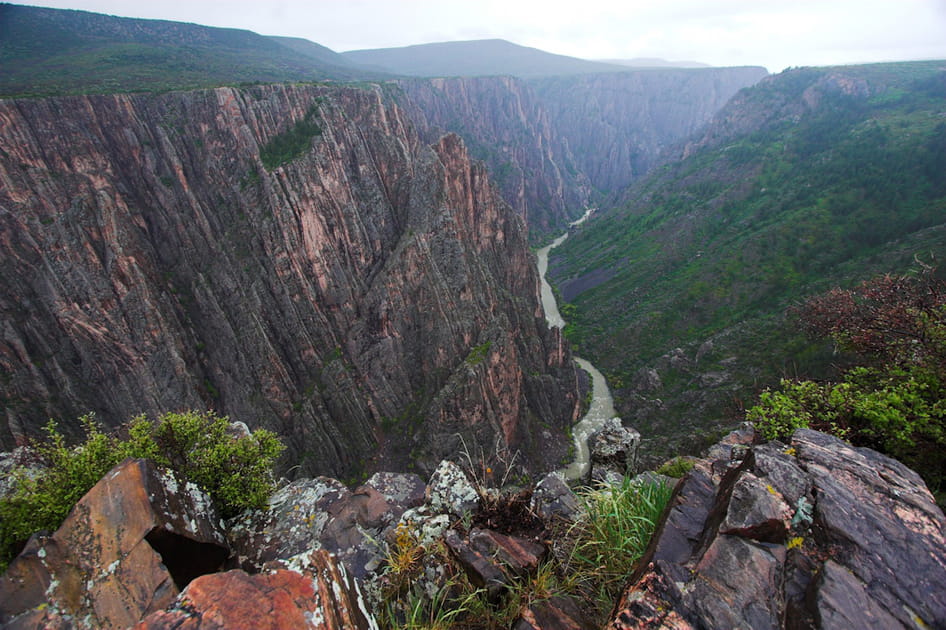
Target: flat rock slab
[
  {"x": 314, "y": 593},
  {"x": 556, "y": 613}
]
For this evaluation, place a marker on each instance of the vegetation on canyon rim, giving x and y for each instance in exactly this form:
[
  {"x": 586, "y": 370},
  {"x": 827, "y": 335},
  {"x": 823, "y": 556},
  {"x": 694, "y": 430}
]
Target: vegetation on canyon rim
[
  {"x": 235, "y": 471},
  {"x": 894, "y": 398}
]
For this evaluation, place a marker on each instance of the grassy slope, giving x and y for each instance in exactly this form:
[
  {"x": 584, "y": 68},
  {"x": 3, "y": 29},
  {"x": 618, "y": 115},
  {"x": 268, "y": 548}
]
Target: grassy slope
[
  {"x": 842, "y": 176},
  {"x": 51, "y": 51}
]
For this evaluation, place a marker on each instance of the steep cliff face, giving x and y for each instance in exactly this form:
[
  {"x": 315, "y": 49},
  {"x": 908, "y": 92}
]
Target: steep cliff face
[
  {"x": 368, "y": 299},
  {"x": 504, "y": 125},
  {"x": 617, "y": 124}
]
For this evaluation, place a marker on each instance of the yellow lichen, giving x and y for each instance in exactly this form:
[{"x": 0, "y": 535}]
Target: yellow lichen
[{"x": 795, "y": 543}]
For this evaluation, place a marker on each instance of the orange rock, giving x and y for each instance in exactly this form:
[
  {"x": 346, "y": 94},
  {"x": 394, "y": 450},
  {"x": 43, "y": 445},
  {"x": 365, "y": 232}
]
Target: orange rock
[
  {"x": 126, "y": 549},
  {"x": 317, "y": 594}
]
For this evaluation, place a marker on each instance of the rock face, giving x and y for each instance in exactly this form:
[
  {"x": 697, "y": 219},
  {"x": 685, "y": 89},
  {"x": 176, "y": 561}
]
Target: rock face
[
  {"x": 617, "y": 124},
  {"x": 127, "y": 548},
  {"x": 815, "y": 534},
  {"x": 310, "y": 591},
  {"x": 373, "y": 292},
  {"x": 506, "y": 126}
]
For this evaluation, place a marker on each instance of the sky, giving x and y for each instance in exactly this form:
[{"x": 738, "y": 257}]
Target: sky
[{"x": 771, "y": 33}]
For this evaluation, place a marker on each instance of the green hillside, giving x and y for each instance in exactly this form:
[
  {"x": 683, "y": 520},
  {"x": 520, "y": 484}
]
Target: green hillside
[
  {"x": 53, "y": 51},
  {"x": 812, "y": 178}
]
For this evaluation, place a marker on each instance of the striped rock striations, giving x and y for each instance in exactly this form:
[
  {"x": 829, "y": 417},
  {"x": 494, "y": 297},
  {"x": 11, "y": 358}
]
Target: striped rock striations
[{"x": 370, "y": 299}]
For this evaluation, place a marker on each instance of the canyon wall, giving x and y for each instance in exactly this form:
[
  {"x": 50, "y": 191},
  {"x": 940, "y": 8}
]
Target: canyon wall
[
  {"x": 617, "y": 124},
  {"x": 371, "y": 300},
  {"x": 508, "y": 128}
]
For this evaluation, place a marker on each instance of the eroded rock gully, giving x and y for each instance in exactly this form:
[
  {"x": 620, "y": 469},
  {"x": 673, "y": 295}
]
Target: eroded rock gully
[{"x": 373, "y": 292}]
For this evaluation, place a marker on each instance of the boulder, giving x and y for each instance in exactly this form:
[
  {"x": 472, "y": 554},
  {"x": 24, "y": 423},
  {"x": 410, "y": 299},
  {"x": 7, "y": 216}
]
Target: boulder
[
  {"x": 552, "y": 498},
  {"x": 322, "y": 513},
  {"x": 555, "y": 613},
  {"x": 613, "y": 447},
  {"x": 514, "y": 555},
  {"x": 450, "y": 491},
  {"x": 308, "y": 591},
  {"x": 479, "y": 568},
  {"x": 126, "y": 549},
  {"x": 297, "y": 515},
  {"x": 815, "y": 533},
  {"x": 492, "y": 560}
]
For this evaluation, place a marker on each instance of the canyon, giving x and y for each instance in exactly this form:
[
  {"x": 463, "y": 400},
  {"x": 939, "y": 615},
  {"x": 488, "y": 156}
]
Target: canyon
[
  {"x": 374, "y": 298},
  {"x": 352, "y": 266}
]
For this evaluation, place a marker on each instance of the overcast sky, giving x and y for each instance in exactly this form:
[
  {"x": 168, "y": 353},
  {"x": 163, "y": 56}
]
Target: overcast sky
[{"x": 772, "y": 33}]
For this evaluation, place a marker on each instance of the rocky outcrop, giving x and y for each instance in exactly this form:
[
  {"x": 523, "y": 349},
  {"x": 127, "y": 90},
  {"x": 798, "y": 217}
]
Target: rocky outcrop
[
  {"x": 309, "y": 591},
  {"x": 786, "y": 96},
  {"x": 617, "y": 124},
  {"x": 612, "y": 450},
  {"x": 506, "y": 126},
  {"x": 815, "y": 533},
  {"x": 127, "y": 548},
  {"x": 372, "y": 295},
  {"x": 324, "y": 514}
]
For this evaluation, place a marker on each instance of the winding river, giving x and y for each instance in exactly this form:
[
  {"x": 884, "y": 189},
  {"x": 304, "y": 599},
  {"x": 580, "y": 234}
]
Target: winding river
[{"x": 602, "y": 405}]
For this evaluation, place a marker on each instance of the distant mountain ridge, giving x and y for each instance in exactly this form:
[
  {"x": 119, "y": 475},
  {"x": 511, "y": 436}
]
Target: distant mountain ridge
[
  {"x": 654, "y": 62},
  {"x": 483, "y": 57},
  {"x": 60, "y": 51}
]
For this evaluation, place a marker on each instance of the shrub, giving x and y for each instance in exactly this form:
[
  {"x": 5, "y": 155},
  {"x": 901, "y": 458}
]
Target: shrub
[
  {"x": 676, "y": 467},
  {"x": 290, "y": 144},
  {"x": 235, "y": 471},
  {"x": 895, "y": 402}
]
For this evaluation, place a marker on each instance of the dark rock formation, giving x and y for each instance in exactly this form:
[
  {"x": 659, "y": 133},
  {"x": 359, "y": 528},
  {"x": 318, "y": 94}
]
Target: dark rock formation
[
  {"x": 375, "y": 291},
  {"x": 617, "y": 124},
  {"x": 127, "y": 548},
  {"x": 552, "y": 498},
  {"x": 506, "y": 126},
  {"x": 815, "y": 534},
  {"x": 311, "y": 591}
]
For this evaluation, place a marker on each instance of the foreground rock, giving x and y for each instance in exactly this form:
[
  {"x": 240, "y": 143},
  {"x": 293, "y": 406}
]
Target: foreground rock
[
  {"x": 309, "y": 591},
  {"x": 127, "y": 548},
  {"x": 812, "y": 534},
  {"x": 322, "y": 513}
]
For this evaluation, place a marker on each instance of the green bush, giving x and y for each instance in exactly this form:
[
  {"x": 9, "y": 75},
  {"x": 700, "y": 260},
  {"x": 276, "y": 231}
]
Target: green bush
[
  {"x": 895, "y": 401},
  {"x": 290, "y": 144},
  {"x": 900, "y": 411},
  {"x": 236, "y": 472}
]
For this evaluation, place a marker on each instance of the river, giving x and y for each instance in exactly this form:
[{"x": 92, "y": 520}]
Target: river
[{"x": 602, "y": 405}]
